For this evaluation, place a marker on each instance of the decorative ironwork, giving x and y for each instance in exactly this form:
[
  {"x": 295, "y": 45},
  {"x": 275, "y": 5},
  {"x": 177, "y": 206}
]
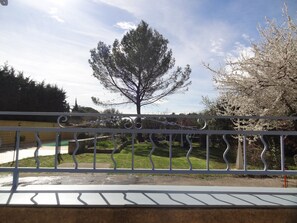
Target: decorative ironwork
[
  {"x": 189, "y": 152},
  {"x": 113, "y": 152},
  {"x": 226, "y": 151},
  {"x": 131, "y": 121},
  {"x": 152, "y": 151},
  {"x": 155, "y": 129},
  {"x": 37, "y": 149},
  {"x": 263, "y": 152},
  {"x": 75, "y": 151},
  {"x": 62, "y": 119}
]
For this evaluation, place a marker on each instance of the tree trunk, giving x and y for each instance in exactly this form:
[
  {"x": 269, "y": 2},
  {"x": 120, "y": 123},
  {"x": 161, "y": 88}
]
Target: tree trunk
[
  {"x": 239, "y": 158},
  {"x": 138, "y": 122}
]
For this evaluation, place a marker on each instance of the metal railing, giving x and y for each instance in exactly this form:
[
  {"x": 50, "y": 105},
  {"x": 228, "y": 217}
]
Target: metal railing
[{"x": 196, "y": 138}]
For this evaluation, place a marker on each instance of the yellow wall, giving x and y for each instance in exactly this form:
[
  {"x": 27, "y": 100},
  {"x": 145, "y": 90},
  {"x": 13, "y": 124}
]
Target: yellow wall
[{"x": 8, "y": 138}]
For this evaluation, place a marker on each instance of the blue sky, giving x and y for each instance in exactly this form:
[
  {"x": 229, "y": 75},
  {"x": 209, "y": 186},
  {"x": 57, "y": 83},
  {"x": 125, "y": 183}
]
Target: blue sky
[{"x": 50, "y": 40}]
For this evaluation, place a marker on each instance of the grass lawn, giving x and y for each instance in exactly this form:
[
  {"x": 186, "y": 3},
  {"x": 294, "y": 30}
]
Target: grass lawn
[
  {"x": 141, "y": 157},
  {"x": 160, "y": 157}
]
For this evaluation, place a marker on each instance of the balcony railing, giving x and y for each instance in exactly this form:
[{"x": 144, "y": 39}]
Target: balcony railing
[{"x": 272, "y": 138}]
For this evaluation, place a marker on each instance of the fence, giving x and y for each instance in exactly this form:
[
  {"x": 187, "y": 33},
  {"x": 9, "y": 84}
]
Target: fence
[
  {"x": 190, "y": 139},
  {"x": 8, "y": 138}
]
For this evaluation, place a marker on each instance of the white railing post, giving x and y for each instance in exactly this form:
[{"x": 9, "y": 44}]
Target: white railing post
[
  {"x": 282, "y": 153},
  {"x": 16, "y": 173},
  {"x": 244, "y": 154},
  {"x": 170, "y": 151},
  {"x": 95, "y": 151},
  {"x": 57, "y": 149},
  {"x": 207, "y": 152},
  {"x": 133, "y": 150}
]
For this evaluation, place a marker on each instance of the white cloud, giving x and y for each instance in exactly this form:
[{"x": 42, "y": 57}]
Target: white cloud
[
  {"x": 245, "y": 36},
  {"x": 56, "y": 54},
  {"x": 60, "y": 56},
  {"x": 129, "y": 6},
  {"x": 53, "y": 12},
  {"x": 125, "y": 25},
  {"x": 189, "y": 40},
  {"x": 216, "y": 47}
]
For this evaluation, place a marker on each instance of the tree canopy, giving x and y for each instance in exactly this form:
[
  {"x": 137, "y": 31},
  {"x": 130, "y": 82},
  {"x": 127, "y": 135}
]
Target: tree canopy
[
  {"x": 264, "y": 83},
  {"x": 19, "y": 93},
  {"x": 137, "y": 68}
]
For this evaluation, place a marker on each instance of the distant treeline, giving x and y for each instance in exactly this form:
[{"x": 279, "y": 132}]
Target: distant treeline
[{"x": 19, "y": 93}]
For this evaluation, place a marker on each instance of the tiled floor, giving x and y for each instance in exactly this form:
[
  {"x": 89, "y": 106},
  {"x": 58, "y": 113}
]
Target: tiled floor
[{"x": 148, "y": 195}]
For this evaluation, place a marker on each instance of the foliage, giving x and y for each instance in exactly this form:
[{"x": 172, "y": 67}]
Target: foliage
[
  {"x": 266, "y": 82},
  {"x": 137, "y": 68},
  {"x": 81, "y": 109},
  {"x": 263, "y": 83},
  {"x": 105, "y": 144},
  {"x": 21, "y": 93}
]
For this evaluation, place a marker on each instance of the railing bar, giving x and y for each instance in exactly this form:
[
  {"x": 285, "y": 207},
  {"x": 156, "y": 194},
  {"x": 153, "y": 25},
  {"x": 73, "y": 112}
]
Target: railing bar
[
  {"x": 57, "y": 150},
  {"x": 244, "y": 153},
  {"x": 133, "y": 148},
  {"x": 207, "y": 152},
  {"x": 95, "y": 152},
  {"x": 225, "y": 153},
  {"x": 170, "y": 151},
  {"x": 189, "y": 152},
  {"x": 156, "y": 171},
  {"x": 17, "y": 147},
  {"x": 37, "y": 149},
  {"x": 16, "y": 168},
  {"x": 148, "y": 131},
  {"x": 146, "y": 115},
  {"x": 263, "y": 153},
  {"x": 152, "y": 151},
  {"x": 112, "y": 153},
  {"x": 282, "y": 153},
  {"x": 75, "y": 151}
]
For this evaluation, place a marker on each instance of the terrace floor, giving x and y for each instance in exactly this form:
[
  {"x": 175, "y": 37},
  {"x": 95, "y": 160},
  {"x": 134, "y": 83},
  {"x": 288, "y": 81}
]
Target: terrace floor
[
  {"x": 147, "y": 203},
  {"x": 148, "y": 195}
]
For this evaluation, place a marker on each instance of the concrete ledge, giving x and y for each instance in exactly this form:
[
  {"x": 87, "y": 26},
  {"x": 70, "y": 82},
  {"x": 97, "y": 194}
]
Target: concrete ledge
[
  {"x": 147, "y": 203},
  {"x": 148, "y": 196}
]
